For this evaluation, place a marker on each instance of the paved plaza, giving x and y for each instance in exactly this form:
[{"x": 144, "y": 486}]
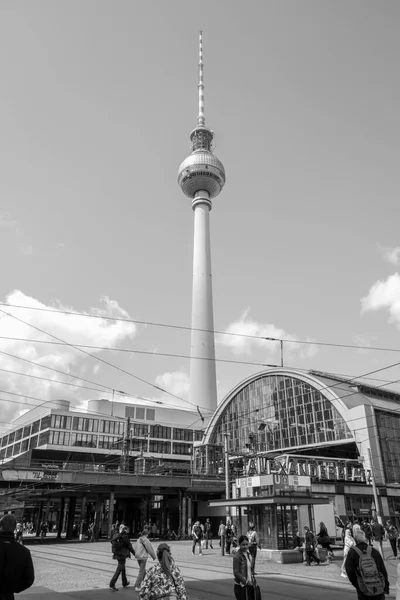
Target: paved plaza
[{"x": 88, "y": 567}]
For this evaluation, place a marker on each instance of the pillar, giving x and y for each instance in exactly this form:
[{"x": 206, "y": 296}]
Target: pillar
[
  {"x": 61, "y": 517},
  {"x": 143, "y": 512},
  {"x": 110, "y": 514},
  {"x": 47, "y": 510},
  {"x": 97, "y": 517},
  {"x": 71, "y": 516},
  {"x": 184, "y": 513},
  {"x": 203, "y": 381},
  {"x": 39, "y": 519},
  {"x": 83, "y": 518}
]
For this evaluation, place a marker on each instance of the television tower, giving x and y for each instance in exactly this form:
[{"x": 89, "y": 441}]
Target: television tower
[{"x": 202, "y": 177}]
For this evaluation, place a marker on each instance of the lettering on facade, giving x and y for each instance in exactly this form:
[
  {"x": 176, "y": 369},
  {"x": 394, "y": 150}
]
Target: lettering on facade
[{"x": 325, "y": 469}]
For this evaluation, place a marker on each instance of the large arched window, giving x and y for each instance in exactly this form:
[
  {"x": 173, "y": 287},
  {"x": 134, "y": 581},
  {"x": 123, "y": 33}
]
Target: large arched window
[{"x": 294, "y": 414}]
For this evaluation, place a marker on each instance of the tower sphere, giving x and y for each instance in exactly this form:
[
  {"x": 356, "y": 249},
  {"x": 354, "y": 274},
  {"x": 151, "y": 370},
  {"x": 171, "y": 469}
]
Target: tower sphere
[{"x": 201, "y": 171}]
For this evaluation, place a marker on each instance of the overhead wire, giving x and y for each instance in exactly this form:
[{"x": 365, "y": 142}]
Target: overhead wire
[{"x": 187, "y": 328}]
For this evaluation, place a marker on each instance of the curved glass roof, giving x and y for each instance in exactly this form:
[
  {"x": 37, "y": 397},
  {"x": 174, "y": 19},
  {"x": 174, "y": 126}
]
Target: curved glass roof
[{"x": 295, "y": 415}]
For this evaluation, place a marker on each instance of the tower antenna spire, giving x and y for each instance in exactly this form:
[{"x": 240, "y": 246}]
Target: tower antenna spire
[{"x": 201, "y": 120}]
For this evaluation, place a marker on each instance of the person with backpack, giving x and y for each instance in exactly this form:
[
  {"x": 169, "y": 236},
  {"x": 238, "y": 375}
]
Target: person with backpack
[
  {"x": 366, "y": 570},
  {"x": 16, "y": 566},
  {"x": 208, "y": 534},
  {"x": 392, "y": 534},
  {"x": 324, "y": 539},
  {"x": 122, "y": 549},
  {"x": 197, "y": 535},
  {"x": 143, "y": 549},
  {"x": 164, "y": 579}
]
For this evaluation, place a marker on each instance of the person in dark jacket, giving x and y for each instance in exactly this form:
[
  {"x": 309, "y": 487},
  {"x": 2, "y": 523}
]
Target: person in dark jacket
[
  {"x": 324, "y": 539},
  {"x": 243, "y": 571},
  {"x": 352, "y": 563},
  {"x": 121, "y": 554},
  {"x": 392, "y": 534},
  {"x": 378, "y": 533},
  {"x": 16, "y": 566},
  {"x": 228, "y": 538},
  {"x": 309, "y": 545}
]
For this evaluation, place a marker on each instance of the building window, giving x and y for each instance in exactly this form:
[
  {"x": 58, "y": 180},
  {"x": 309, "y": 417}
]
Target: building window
[
  {"x": 158, "y": 431},
  {"x": 11, "y": 437},
  {"x": 138, "y": 429},
  {"x": 388, "y": 424},
  {"x": 140, "y": 412},
  {"x": 45, "y": 422},
  {"x": 60, "y": 422},
  {"x": 18, "y": 434},
  {"x": 44, "y": 438},
  {"x": 24, "y": 445},
  {"x": 115, "y": 427},
  {"x": 35, "y": 426},
  {"x": 17, "y": 448},
  {"x": 84, "y": 440},
  {"x": 81, "y": 424},
  {"x": 185, "y": 449},
  {"x": 198, "y": 435},
  {"x": 4, "y": 441},
  {"x": 130, "y": 411},
  {"x": 160, "y": 447},
  {"x": 150, "y": 414},
  {"x": 9, "y": 451},
  {"x": 33, "y": 442},
  {"x": 186, "y": 435},
  {"x": 2, "y": 453},
  {"x": 109, "y": 442},
  {"x": 27, "y": 431},
  {"x": 59, "y": 438}
]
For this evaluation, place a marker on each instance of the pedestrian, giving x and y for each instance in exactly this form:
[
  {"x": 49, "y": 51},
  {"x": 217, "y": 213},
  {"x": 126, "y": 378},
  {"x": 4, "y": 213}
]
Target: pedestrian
[
  {"x": 208, "y": 533},
  {"x": 348, "y": 543},
  {"x": 228, "y": 538},
  {"x": 356, "y": 527},
  {"x": 154, "y": 531},
  {"x": 254, "y": 542},
  {"x": 43, "y": 529},
  {"x": 324, "y": 539},
  {"x": 143, "y": 549},
  {"x": 18, "y": 533},
  {"x": 164, "y": 579},
  {"x": 378, "y": 533},
  {"x": 310, "y": 547},
  {"x": 366, "y": 528},
  {"x": 197, "y": 535},
  {"x": 121, "y": 549},
  {"x": 366, "y": 570},
  {"x": 221, "y": 533},
  {"x": 16, "y": 566},
  {"x": 243, "y": 570},
  {"x": 392, "y": 534}
]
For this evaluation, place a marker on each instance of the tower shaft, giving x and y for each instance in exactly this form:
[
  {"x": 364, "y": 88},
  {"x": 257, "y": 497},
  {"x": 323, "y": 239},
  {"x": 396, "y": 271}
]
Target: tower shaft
[{"x": 203, "y": 381}]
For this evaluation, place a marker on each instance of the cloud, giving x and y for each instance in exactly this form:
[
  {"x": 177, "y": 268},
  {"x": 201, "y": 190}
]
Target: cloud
[
  {"x": 391, "y": 255},
  {"x": 384, "y": 295},
  {"x": 70, "y": 328},
  {"x": 246, "y": 346},
  {"x": 175, "y": 382}
]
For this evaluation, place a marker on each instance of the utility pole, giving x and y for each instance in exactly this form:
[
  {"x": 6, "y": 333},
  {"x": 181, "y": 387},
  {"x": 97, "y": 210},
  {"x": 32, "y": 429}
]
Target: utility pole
[
  {"x": 376, "y": 497},
  {"x": 227, "y": 486},
  {"x": 125, "y": 447}
]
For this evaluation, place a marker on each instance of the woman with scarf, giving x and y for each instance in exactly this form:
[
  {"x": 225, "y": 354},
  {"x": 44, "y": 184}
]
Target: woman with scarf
[
  {"x": 243, "y": 571},
  {"x": 349, "y": 542},
  {"x": 164, "y": 579}
]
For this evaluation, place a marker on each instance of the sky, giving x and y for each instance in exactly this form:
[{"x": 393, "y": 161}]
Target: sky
[{"x": 98, "y": 100}]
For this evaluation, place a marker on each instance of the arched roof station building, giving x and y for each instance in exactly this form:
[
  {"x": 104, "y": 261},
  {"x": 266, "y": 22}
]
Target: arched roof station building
[{"x": 336, "y": 431}]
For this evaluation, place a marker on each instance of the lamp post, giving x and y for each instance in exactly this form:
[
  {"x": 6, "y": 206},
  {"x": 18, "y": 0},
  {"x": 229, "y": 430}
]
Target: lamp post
[{"x": 376, "y": 498}]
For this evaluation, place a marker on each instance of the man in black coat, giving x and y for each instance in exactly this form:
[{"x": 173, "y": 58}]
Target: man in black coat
[
  {"x": 352, "y": 565},
  {"x": 16, "y": 567},
  {"x": 121, "y": 553}
]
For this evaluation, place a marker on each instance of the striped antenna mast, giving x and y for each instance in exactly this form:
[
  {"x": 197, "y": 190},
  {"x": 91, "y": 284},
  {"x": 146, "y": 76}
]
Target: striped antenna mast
[{"x": 201, "y": 120}]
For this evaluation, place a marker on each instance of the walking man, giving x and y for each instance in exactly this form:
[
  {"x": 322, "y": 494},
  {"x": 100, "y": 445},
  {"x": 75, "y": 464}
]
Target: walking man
[
  {"x": 392, "y": 534},
  {"x": 378, "y": 532},
  {"x": 254, "y": 542},
  {"x": 208, "y": 534},
  {"x": 221, "y": 533},
  {"x": 143, "y": 549},
  {"x": 366, "y": 570},
  {"x": 16, "y": 567},
  {"x": 121, "y": 549}
]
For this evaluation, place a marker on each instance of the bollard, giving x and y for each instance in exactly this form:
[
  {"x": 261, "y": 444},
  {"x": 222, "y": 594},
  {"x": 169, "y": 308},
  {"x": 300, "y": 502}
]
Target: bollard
[
  {"x": 398, "y": 583},
  {"x": 222, "y": 538}
]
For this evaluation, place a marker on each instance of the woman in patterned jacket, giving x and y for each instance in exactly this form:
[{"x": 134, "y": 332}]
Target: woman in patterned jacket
[{"x": 163, "y": 579}]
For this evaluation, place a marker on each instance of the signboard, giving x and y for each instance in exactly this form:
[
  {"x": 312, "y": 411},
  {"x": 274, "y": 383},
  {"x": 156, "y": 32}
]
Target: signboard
[
  {"x": 35, "y": 475},
  {"x": 276, "y": 484}
]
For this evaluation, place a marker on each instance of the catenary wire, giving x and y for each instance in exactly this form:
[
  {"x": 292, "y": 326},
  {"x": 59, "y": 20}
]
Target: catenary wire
[{"x": 187, "y": 328}]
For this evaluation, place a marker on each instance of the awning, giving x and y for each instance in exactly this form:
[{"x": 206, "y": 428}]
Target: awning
[{"x": 310, "y": 500}]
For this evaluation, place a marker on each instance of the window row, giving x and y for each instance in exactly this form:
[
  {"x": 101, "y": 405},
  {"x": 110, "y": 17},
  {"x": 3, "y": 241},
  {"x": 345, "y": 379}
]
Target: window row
[{"x": 141, "y": 413}]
